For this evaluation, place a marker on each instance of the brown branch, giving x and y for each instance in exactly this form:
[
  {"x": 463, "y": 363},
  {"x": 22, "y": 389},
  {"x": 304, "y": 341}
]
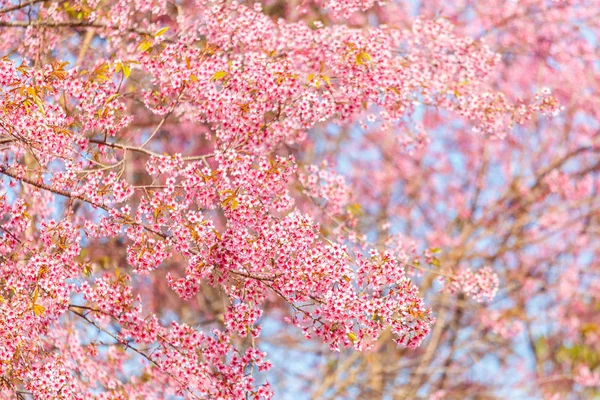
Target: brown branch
[
  {"x": 419, "y": 374},
  {"x": 70, "y": 24},
  {"x": 20, "y": 6},
  {"x": 452, "y": 344},
  {"x": 85, "y": 45},
  {"x": 129, "y": 346},
  {"x": 144, "y": 151},
  {"x": 64, "y": 193}
]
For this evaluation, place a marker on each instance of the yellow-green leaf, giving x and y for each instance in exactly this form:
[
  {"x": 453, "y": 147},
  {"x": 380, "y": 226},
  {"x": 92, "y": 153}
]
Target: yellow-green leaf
[
  {"x": 377, "y": 318},
  {"x": 111, "y": 98},
  {"x": 126, "y": 70},
  {"x": 101, "y": 69},
  {"x": 352, "y": 336},
  {"x": 217, "y": 76},
  {"x": 38, "y": 309},
  {"x": 145, "y": 45},
  {"x": 38, "y": 102},
  {"x": 35, "y": 295},
  {"x": 230, "y": 202},
  {"x": 363, "y": 58},
  {"x": 161, "y": 31},
  {"x": 435, "y": 262},
  {"x": 355, "y": 209}
]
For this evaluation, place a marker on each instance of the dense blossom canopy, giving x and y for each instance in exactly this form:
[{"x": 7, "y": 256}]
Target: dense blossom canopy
[{"x": 186, "y": 183}]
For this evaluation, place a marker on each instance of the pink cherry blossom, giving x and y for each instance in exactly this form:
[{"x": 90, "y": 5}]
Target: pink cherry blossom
[{"x": 192, "y": 189}]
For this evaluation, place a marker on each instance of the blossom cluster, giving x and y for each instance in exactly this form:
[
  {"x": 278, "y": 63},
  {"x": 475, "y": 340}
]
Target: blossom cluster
[
  {"x": 481, "y": 286},
  {"x": 169, "y": 157}
]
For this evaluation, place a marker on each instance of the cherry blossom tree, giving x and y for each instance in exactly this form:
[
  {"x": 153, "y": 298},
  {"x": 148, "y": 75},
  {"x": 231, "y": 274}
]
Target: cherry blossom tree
[{"x": 194, "y": 189}]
